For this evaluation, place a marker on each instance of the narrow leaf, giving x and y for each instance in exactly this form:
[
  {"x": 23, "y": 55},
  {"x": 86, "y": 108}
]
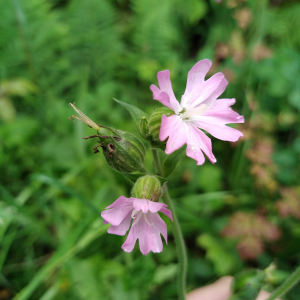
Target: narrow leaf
[
  {"x": 135, "y": 112},
  {"x": 171, "y": 161}
]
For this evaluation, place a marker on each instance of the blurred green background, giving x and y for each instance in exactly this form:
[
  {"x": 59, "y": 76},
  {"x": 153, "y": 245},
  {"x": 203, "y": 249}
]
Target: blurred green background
[{"x": 242, "y": 212}]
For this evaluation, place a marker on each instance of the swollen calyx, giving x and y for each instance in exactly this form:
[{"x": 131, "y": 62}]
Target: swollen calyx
[{"x": 122, "y": 150}]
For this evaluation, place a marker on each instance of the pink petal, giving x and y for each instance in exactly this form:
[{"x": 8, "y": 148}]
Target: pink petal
[
  {"x": 149, "y": 235},
  {"x": 159, "y": 227},
  {"x": 216, "y": 93},
  {"x": 162, "y": 97},
  {"x": 166, "y": 212},
  {"x": 197, "y": 141},
  {"x": 146, "y": 205},
  {"x": 220, "y": 117},
  {"x": 120, "y": 201},
  {"x": 195, "y": 79},
  {"x": 165, "y": 85},
  {"x": 122, "y": 228},
  {"x": 143, "y": 232},
  {"x": 195, "y": 154},
  {"x": 207, "y": 90},
  {"x": 174, "y": 128},
  {"x": 130, "y": 241},
  {"x": 141, "y": 204},
  {"x": 154, "y": 207},
  {"x": 223, "y": 132},
  {"x": 120, "y": 209},
  {"x": 222, "y": 104}
]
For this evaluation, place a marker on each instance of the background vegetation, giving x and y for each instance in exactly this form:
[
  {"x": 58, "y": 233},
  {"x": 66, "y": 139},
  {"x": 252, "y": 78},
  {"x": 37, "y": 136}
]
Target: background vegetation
[{"x": 242, "y": 212}]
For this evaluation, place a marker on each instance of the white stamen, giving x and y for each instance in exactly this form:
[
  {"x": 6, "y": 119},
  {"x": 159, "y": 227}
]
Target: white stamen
[
  {"x": 139, "y": 214},
  {"x": 133, "y": 214},
  {"x": 194, "y": 112},
  {"x": 147, "y": 221}
]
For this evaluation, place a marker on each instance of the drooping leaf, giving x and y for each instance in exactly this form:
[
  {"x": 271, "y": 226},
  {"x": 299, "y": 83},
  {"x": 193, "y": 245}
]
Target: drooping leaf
[
  {"x": 171, "y": 161},
  {"x": 137, "y": 115}
]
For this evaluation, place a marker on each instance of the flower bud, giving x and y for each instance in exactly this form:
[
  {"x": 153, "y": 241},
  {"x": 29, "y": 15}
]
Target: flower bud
[
  {"x": 155, "y": 123},
  {"x": 147, "y": 187},
  {"x": 144, "y": 127},
  {"x": 122, "y": 150}
]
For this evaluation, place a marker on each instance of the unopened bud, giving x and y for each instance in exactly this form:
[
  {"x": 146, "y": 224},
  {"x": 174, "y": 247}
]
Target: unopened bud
[
  {"x": 155, "y": 123},
  {"x": 147, "y": 187},
  {"x": 144, "y": 128},
  {"x": 122, "y": 150}
]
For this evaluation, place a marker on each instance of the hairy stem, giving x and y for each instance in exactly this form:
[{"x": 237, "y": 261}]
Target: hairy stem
[
  {"x": 287, "y": 285},
  {"x": 181, "y": 251}
]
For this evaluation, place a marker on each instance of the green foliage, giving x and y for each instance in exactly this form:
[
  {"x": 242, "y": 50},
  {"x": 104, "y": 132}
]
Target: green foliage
[
  {"x": 170, "y": 162},
  {"x": 53, "y": 244},
  {"x": 247, "y": 284},
  {"x": 221, "y": 256}
]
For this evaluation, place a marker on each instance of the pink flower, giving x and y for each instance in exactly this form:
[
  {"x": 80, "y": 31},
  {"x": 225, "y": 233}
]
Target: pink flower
[
  {"x": 199, "y": 109},
  {"x": 146, "y": 226}
]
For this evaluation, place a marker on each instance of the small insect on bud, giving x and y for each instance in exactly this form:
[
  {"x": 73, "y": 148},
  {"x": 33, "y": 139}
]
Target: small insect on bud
[
  {"x": 122, "y": 150},
  {"x": 147, "y": 187},
  {"x": 155, "y": 123}
]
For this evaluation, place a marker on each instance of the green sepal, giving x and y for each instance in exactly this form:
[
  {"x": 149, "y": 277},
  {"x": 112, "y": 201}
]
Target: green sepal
[
  {"x": 247, "y": 284},
  {"x": 139, "y": 117},
  {"x": 134, "y": 176},
  {"x": 154, "y": 126},
  {"x": 171, "y": 161},
  {"x": 144, "y": 128},
  {"x": 122, "y": 150}
]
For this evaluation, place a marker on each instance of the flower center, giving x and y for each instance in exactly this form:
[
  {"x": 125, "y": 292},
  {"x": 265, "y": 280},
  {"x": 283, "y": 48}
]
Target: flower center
[
  {"x": 136, "y": 215},
  {"x": 187, "y": 113}
]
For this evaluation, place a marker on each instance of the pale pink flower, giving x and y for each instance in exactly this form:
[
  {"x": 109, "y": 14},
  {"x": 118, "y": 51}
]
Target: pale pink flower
[
  {"x": 199, "y": 109},
  {"x": 146, "y": 225}
]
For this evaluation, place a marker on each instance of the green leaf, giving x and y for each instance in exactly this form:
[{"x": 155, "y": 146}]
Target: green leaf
[
  {"x": 136, "y": 114},
  {"x": 164, "y": 273},
  {"x": 210, "y": 178},
  {"x": 161, "y": 179},
  {"x": 171, "y": 161},
  {"x": 222, "y": 258}
]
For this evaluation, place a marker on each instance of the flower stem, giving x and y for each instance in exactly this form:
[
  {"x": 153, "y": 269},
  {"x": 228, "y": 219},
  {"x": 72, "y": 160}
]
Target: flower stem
[
  {"x": 157, "y": 163},
  {"x": 288, "y": 284},
  {"x": 181, "y": 251}
]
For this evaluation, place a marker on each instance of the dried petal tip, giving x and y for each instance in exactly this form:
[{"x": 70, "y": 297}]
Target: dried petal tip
[{"x": 83, "y": 118}]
